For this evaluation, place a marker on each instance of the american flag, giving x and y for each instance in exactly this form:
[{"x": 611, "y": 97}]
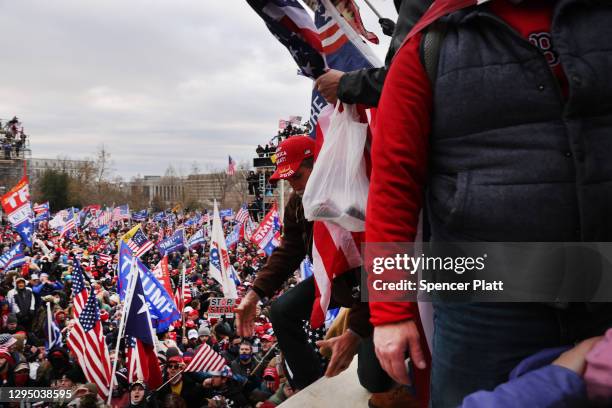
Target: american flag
[
  {"x": 242, "y": 215},
  {"x": 104, "y": 258},
  {"x": 335, "y": 250},
  {"x": 86, "y": 339},
  {"x": 41, "y": 208},
  {"x": 205, "y": 359},
  {"x": 69, "y": 226},
  {"x": 139, "y": 243},
  {"x": 231, "y": 166},
  {"x": 121, "y": 213},
  {"x": 181, "y": 301},
  {"x": 289, "y": 22},
  {"x": 104, "y": 218}
]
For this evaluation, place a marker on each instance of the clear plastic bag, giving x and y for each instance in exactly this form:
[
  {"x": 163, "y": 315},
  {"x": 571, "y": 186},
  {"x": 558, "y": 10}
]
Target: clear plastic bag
[{"x": 337, "y": 190}]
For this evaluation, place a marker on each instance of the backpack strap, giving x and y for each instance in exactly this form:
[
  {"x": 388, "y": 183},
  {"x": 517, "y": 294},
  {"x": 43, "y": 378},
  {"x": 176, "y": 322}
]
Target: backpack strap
[{"x": 431, "y": 44}]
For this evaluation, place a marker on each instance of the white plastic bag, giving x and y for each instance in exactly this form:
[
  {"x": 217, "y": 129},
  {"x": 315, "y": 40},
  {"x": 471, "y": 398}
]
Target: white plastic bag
[{"x": 337, "y": 189}]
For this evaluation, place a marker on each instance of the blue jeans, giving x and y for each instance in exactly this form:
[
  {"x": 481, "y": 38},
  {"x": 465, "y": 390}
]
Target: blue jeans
[{"x": 475, "y": 346}]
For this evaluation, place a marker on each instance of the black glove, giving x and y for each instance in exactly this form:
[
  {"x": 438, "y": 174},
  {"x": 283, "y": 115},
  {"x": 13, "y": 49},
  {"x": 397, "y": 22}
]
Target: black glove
[{"x": 387, "y": 25}]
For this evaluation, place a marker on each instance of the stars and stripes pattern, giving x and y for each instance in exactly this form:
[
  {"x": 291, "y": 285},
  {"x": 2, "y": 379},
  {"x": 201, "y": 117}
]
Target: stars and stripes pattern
[
  {"x": 205, "y": 359},
  {"x": 104, "y": 218},
  {"x": 69, "y": 226},
  {"x": 121, "y": 213},
  {"x": 335, "y": 250},
  {"x": 179, "y": 300},
  {"x": 139, "y": 243},
  {"x": 242, "y": 215},
  {"x": 41, "y": 208},
  {"x": 79, "y": 291},
  {"x": 289, "y": 22},
  {"x": 104, "y": 258},
  {"x": 332, "y": 36},
  {"x": 86, "y": 339},
  {"x": 231, "y": 166}
]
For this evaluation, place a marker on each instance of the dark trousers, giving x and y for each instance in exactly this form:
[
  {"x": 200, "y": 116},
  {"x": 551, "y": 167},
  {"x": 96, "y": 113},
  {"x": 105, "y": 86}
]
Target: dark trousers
[
  {"x": 475, "y": 346},
  {"x": 287, "y": 316}
]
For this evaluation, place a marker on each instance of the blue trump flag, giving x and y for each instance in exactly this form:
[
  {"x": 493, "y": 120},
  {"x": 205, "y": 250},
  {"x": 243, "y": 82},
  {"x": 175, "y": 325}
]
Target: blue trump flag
[
  {"x": 12, "y": 258},
  {"x": 103, "y": 230},
  {"x": 196, "y": 239},
  {"x": 161, "y": 306},
  {"x": 234, "y": 236},
  {"x": 140, "y": 216},
  {"x": 173, "y": 243},
  {"x": 228, "y": 212}
]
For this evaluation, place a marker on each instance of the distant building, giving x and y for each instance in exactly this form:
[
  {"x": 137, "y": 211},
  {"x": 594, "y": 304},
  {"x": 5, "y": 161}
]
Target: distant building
[
  {"x": 195, "y": 189},
  {"x": 166, "y": 190},
  {"x": 37, "y": 166}
]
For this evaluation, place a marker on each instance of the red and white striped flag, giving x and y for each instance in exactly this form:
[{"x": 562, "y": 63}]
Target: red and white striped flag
[
  {"x": 231, "y": 166},
  {"x": 86, "y": 339},
  {"x": 69, "y": 226},
  {"x": 205, "y": 359},
  {"x": 242, "y": 215},
  {"x": 104, "y": 218},
  {"x": 104, "y": 258},
  {"x": 181, "y": 301}
]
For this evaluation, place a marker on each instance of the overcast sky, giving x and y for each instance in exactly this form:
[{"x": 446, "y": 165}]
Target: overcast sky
[{"x": 159, "y": 82}]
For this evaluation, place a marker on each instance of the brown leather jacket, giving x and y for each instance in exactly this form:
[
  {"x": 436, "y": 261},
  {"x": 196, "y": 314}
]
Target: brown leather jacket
[{"x": 295, "y": 244}]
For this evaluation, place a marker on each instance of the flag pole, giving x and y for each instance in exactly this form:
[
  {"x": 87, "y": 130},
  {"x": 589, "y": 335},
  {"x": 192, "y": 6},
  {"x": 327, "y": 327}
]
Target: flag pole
[
  {"x": 264, "y": 358},
  {"x": 183, "y": 299},
  {"x": 126, "y": 310},
  {"x": 373, "y": 9},
  {"x": 49, "y": 323},
  {"x": 170, "y": 379}
]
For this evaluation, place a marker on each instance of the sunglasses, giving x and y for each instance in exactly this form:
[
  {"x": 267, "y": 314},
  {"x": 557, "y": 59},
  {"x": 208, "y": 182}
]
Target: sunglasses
[{"x": 174, "y": 366}]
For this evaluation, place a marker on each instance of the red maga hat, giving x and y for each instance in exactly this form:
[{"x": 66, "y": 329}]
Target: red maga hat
[{"x": 289, "y": 155}]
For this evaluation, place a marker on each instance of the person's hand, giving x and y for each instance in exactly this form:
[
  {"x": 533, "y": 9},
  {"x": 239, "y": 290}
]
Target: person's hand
[
  {"x": 387, "y": 25},
  {"x": 327, "y": 85},
  {"x": 391, "y": 341},
  {"x": 575, "y": 358},
  {"x": 343, "y": 350},
  {"x": 245, "y": 314}
]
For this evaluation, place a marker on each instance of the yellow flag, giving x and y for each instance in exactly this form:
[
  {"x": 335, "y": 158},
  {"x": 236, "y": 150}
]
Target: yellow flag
[{"x": 130, "y": 233}]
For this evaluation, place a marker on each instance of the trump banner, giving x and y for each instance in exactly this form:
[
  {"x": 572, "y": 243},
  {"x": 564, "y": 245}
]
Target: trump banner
[{"x": 18, "y": 210}]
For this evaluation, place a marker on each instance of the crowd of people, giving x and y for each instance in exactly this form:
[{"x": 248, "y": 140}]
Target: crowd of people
[
  {"x": 291, "y": 129},
  {"x": 254, "y": 374},
  {"x": 493, "y": 121},
  {"x": 13, "y": 138}
]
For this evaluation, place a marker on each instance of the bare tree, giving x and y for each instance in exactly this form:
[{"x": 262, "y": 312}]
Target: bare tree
[{"x": 104, "y": 165}]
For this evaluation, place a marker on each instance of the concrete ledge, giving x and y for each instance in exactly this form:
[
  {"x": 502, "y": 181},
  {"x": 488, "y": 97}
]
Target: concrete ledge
[{"x": 338, "y": 392}]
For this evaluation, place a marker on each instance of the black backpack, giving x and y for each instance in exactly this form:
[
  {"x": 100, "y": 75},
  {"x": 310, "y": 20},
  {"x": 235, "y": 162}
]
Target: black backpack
[{"x": 429, "y": 49}]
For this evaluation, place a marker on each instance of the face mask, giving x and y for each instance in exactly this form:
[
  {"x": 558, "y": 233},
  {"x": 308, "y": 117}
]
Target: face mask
[{"x": 245, "y": 357}]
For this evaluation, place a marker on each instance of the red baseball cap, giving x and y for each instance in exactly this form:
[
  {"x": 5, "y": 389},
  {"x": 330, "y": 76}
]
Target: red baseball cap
[{"x": 289, "y": 155}]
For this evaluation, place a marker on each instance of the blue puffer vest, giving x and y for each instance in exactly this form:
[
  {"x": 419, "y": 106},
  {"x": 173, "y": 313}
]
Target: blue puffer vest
[{"x": 511, "y": 159}]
